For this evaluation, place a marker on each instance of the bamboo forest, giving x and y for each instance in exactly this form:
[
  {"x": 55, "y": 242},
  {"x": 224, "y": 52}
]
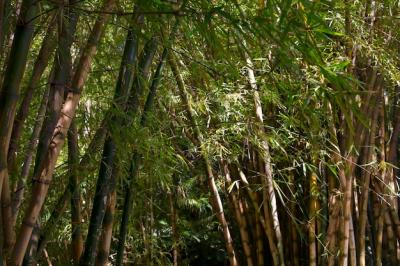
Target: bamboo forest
[{"x": 200, "y": 132}]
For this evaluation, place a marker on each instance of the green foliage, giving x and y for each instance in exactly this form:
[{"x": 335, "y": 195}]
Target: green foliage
[{"x": 306, "y": 84}]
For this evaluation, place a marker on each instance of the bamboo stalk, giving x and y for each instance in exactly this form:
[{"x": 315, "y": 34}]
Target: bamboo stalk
[
  {"x": 312, "y": 227},
  {"x": 76, "y": 219},
  {"x": 103, "y": 250},
  {"x": 241, "y": 221},
  {"x": 40, "y": 187}
]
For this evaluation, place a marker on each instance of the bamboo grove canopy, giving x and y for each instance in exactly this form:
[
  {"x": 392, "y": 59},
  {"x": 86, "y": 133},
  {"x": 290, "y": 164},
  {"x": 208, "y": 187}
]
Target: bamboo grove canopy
[{"x": 194, "y": 132}]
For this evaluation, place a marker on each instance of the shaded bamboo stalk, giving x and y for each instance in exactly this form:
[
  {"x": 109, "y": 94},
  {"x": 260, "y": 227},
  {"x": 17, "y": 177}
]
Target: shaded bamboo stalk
[
  {"x": 312, "y": 225},
  {"x": 99, "y": 202},
  {"x": 2, "y": 23},
  {"x": 175, "y": 237},
  {"x": 259, "y": 243},
  {"x": 362, "y": 222},
  {"x": 76, "y": 219},
  {"x": 10, "y": 89},
  {"x": 9, "y": 94},
  {"x": 47, "y": 47},
  {"x": 266, "y": 224},
  {"x": 108, "y": 158},
  {"x": 106, "y": 234},
  {"x": 135, "y": 161},
  {"x": 293, "y": 229},
  {"x": 241, "y": 221}
]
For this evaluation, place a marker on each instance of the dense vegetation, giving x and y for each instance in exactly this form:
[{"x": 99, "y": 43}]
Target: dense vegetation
[{"x": 197, "y": 132}]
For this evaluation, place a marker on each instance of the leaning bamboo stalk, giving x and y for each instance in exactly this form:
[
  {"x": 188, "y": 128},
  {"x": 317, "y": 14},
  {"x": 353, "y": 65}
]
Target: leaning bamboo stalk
[
  {"x": 9, "y": 94},
  {"x": 2, "y": 19},
  {"x": 20, "y": 188},
  {"x": 47, "y": 230},
  {"x": 47, "y": 47},
  {"x": 129, "y": 55},
  {"x": 334, "y": 201},
  {"x": 267, "y": 178},
  {"x": 15, "y": 69},
  {"x": 391, "y": 239},
  {"x": 218, "y": 209},
  {"x": 255, "y": 218},
  {"x": 216, "y": 199},
  {"x": 381, "y": 184},
  {"x": 394, "y": 138},
  {"x": 332, "y": 238},
  {"x": 345, "y": 175},
  {"x": 40, "y": 187},
  {"x": 62, "y": 68},
  {"x": 61, "y": 202},
  {"x": 134, "y": 107}
]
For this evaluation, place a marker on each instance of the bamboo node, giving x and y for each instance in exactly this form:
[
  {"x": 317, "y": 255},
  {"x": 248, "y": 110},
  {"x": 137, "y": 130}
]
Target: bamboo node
[
  {"x": 41, "y": 181},
  {"x": 73, "y": 90},
  {"x": 29, "y": 224}
]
